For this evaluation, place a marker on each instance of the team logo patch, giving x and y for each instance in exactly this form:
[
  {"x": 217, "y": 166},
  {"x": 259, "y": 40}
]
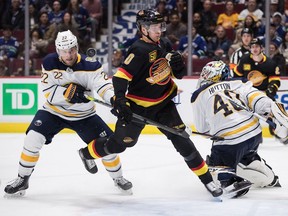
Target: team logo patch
[
  {"x": 38, "y": 123},
  {"x": 247, "y": 67},
  {"x": 256, "y": 77},
  {"x": 127, "y": 140},
  {"x": 152, "y": 56},
  {"x": 277, "y": 71},
  {"x": 159, "y": 72}
]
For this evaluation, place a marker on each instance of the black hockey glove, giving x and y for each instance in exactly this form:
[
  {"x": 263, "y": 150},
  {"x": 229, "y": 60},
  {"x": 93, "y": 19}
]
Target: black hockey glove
[
  {"x": 271, "y": 91},
  {"x": 75, "y": 94},
  {"x": 177, "y": 64},
  {"x": 121, "y": 109}
]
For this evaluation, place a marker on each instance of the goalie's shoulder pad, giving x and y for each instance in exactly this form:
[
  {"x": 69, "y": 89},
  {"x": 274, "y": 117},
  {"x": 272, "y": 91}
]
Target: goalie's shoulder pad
[{"x": 280, "y": 113}]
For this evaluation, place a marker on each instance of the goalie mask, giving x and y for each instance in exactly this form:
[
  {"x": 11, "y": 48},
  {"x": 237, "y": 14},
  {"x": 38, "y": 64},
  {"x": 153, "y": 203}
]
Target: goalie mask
[
  {"x": 214, "y": 71},
  {"x": 65, "y": 41}
]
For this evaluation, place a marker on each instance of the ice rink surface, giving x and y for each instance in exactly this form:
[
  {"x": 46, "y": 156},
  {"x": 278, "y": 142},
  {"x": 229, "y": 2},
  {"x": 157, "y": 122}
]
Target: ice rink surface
[{"x": 163, "y": 185}]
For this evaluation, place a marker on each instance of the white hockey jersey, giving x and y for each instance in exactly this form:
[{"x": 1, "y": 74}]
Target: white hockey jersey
[
  {"x": 214, "y": 114},
  {"x": 85, "y": 72}
]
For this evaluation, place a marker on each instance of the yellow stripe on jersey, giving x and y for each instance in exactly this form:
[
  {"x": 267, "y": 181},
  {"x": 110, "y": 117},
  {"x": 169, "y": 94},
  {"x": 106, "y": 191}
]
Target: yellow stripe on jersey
[
  {"x": 200, "y": 170},
  {"x": 121, "y": 73},
  {"x": 102, "y": 92},
  {"x": 113, "y": 163},
  {"x": 252, "y": 96},
  {"x": 28, "y": 158},
  {"x": 240, "y": 129}
]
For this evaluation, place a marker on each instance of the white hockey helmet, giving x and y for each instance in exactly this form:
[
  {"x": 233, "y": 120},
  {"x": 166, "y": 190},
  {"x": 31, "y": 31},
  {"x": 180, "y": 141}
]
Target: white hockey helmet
[
  {"x": 215, "y": 71},
  {"x": 65, "y": 40}
]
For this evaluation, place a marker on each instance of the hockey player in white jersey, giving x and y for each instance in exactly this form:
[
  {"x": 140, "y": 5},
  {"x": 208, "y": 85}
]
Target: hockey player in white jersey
[
  {"x": 66, "y": 77},
  {"x": 214, "y": 113}
]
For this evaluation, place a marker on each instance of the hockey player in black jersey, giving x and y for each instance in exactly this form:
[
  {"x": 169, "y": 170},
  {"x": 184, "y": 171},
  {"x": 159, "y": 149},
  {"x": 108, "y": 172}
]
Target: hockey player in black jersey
[{"x": 143, "y": 85}]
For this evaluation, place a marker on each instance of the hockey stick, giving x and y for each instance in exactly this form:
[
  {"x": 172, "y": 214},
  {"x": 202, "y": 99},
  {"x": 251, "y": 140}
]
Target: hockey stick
[
  {"x": 140, "y": 119},
  {"x": 271, "y": 123},
  {"x": 282, "y": 90}
]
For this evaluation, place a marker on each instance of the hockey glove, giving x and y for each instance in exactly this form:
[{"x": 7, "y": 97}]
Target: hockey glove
[
  {"x": 121, "y": 109},
  {"x": 75, "y": 94},
  {"x": 271, "y": 91},
  {"x": 177, "y": 64}
]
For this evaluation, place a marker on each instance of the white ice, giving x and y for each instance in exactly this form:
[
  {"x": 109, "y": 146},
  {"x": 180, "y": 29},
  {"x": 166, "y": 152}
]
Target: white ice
[{"x": 163, "y": 185}]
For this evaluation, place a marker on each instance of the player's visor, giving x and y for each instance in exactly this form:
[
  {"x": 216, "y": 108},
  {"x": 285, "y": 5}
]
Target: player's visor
[{"x": 159, "y": 27}]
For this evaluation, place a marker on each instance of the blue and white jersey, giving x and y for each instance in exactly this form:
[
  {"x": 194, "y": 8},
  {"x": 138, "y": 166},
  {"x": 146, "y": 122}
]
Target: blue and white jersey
[
  {"x": 214, "y": 114},
  {"x": 85, "y": 72}
]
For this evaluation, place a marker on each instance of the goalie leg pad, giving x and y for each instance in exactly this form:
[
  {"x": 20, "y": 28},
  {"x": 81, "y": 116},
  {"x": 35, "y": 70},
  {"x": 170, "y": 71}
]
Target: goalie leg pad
[
  {"x": 257, "y": 172},
  {"x": 279, "y": 113}
]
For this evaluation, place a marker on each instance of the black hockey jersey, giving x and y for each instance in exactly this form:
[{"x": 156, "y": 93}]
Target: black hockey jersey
[
  {"x": 259, "y": 73},
  {"x": 147, "y": 88}
]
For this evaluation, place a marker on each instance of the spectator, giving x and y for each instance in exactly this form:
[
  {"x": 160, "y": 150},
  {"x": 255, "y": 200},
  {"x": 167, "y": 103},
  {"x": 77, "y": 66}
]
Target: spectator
[
  {"x": 3, "y": 8},
  {"x": 273, "y": 36},
  {"x": 250, "y": 23},
  {"x": 219, "y": 45},
  {"x": 253, "y": 11},
  {"x": 14, "y": 16},
  {"x": 68, "y": 23},
  {"x": 277, "y": 57},
  {"x": 46, "y": 7},
  {"x": 3, "y": 67},
  {"x": 94, "y": 8},
  {"x": 117, "y": 59},
  {"x": 283, "y": 49},
  {"x": 277, "y": 21},
  {"x": 81, "y": 17},
  {"x": 33, "y": 15},
  {"x": 199, "y": 46},
  {"x": 38, "y": 46},
  {"x": 175, "y": 29},
  {"x": 198, "y": 23},
  {"x": 56, "y": 14},
  {"x": 236, "y": 43},
  {"x": 160, "y": 7},
  {"x": 229, "y": 19},
  {"x": 181, "y": 9},
  {"x": 9, "y": 45},
  {"x": 48, "y": 30},
  {"x": 207, "y": 13}
]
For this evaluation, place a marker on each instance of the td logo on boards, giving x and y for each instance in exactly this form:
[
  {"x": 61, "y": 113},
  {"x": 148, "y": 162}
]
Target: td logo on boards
[{"x": 20, "y": 99}]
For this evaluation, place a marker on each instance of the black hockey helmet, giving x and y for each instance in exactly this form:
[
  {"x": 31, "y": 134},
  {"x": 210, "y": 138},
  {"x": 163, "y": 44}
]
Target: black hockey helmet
[
  {"x": 247, "y": 31},
  {"x": 148, "y": 17},
  {"x": 256, "y": 41}
]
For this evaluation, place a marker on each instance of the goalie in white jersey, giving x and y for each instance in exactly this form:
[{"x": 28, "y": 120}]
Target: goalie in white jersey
[
  {"x": 214, "y": 113},
  {"x": 66, "y": 77}
]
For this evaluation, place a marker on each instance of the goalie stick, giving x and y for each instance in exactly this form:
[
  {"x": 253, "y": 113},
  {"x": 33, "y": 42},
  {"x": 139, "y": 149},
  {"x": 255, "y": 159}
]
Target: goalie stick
[
  {"x": 271, "y": 123},
  {"x": 140, "y": 119}
]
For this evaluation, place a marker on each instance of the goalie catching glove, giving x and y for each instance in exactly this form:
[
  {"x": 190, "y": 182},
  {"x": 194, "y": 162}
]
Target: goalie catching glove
[
  {"x": 177, "y": 64},
  {"x": 75, "y": 94},
  {"x": 121, "y": 109}
]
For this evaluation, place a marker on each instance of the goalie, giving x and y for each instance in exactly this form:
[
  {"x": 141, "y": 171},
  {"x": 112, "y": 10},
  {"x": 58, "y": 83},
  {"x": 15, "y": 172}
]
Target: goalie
[{"x": 235, "y": 159}]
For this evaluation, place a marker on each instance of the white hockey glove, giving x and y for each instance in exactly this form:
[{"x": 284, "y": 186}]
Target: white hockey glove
[{"x": 280, "y": 118}]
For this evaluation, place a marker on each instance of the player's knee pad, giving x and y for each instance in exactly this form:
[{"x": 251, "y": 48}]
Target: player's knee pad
[
  {"x": 257, "y": 172},
  {"x": 34, "y": 141},
  {"x": 118, "y": 146}
]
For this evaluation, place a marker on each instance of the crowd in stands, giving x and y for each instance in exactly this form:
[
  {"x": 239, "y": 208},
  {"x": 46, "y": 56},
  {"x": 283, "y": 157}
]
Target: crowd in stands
[{"x": 215, "y": 32}]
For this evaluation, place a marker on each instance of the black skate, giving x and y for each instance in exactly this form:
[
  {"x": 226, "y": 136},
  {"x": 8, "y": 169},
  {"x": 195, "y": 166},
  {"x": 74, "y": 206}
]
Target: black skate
[
  {"x": 17, "y": 186},
  {"x": 237, "y": 189},
  {"x": 89, "y": 164},
  {"x": 213, "y": 189},
  {"x": 123, "y": 185}
]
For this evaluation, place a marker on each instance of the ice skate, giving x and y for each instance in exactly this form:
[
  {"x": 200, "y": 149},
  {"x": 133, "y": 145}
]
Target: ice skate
[
  {"x": 213, "y": 189},
  {"x": 17, "y": 187},
  {"x": 237, "y": 189},
  {"x": 90, "y": 164},
  {"x": 123, "y": 185}
]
